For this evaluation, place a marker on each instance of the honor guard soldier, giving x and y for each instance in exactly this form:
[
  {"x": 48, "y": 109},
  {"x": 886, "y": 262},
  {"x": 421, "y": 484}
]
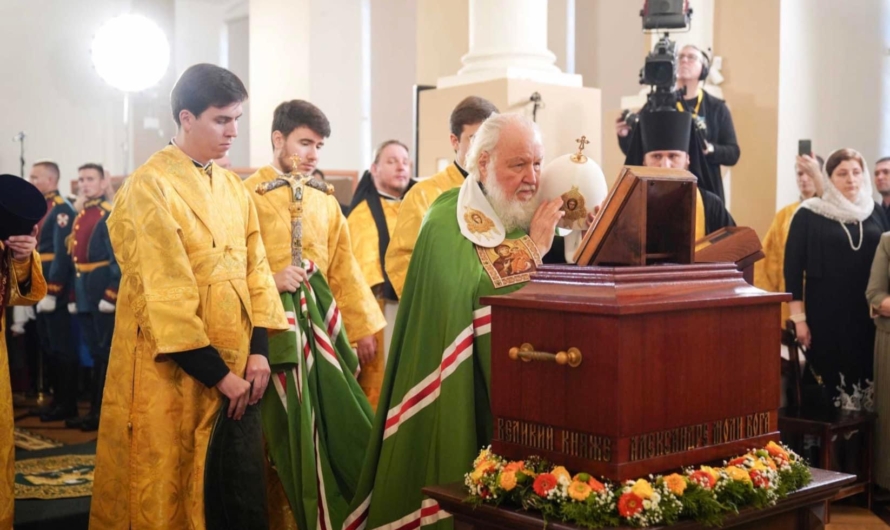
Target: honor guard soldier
[
  {"x": 97, "y": 276},
  {"x": 53, "y": 319}
]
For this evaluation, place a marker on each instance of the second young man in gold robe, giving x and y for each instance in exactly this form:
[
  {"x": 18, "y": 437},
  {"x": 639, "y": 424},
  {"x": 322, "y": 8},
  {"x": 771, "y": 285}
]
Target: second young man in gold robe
[
  {"x": 466, "y": 118},
  {"x": 372, "y": 220}
]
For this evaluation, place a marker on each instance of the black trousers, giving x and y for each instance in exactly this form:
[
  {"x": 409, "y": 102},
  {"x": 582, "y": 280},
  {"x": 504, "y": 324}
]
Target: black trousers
[
  {"x": 56, "y": 342},
  {"x": 97, "y": 328}
]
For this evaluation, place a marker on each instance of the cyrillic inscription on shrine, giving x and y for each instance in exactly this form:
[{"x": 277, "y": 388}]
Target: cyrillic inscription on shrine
[
  {"x": 653, "y": 445},
  {"x": 547, "y": 438}
]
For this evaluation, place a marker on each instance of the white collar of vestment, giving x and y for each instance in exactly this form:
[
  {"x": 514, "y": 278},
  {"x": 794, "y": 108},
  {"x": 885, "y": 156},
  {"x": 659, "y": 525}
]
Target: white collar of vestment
[{"x": 476, "y": 217}]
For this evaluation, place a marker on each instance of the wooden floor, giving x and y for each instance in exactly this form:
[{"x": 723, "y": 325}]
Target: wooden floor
[
  {"x": 854, "y": 518},
  {"x": 55, "y": 430}
]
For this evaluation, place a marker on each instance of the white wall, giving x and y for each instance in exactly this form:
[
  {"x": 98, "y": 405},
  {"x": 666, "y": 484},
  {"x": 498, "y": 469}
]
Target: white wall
[
  {"x": 834, "y": 82},
  {"x": 849, "y": 42},
  {"x": 797, "y": 104},
  {"x": 339, "y": 79},
  {"x": 609, "y": 52},
  {"x": 238, "y": 61},
  {"x": 200, "y": 25},
  {"x": 393, "y": 70},
  {"x": 279, "y": 65},
  {"x": 50, "y": 90},
  {"x": 315, "y": 50}
]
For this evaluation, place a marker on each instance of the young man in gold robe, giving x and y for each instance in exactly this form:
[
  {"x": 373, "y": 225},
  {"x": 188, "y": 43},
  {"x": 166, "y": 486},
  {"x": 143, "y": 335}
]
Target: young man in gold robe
[
  {"x": 466, "y": 118},
  {"x": 21, "y": 283},
  {"x": 300, "y": 128},
  {"x": 372, "y": 219},
  {"x": 188, "y": 357}
]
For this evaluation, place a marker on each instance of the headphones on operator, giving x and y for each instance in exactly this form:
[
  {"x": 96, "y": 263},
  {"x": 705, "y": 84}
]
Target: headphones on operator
[{"x": 705, "y": 62}]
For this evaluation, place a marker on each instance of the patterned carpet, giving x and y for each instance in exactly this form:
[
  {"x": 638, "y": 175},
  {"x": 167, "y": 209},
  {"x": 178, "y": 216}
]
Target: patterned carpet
[
  {"x": 30, "y": 441},
  {"x": 54, "y": 477}
]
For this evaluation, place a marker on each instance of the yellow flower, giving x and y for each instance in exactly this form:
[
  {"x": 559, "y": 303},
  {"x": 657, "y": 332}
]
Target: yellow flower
[
  {"x": 481, "y": 469},
  {"x": 737, "y": 473},
  {"x": 579, "y": 490},
  {"x": 484, "y": 456},
  {"x": 642, "y": 489},
  {"x": 711, "y": 471},
  {"x": 561, "y": 472},
  {"x": 759, "y": 465},
  {"x": 676, "y": 483},
  {"x": 507, "y": 480}
]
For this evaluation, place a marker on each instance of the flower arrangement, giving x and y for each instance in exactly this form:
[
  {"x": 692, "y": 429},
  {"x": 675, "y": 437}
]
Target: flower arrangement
[{"x": 704, "y": 494}]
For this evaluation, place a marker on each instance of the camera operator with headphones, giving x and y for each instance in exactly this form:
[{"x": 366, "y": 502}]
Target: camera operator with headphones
[{"x": 710, "y": 113}]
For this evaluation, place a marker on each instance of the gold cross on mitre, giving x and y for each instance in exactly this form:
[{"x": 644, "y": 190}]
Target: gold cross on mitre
[{"x": 579, "y": 156}]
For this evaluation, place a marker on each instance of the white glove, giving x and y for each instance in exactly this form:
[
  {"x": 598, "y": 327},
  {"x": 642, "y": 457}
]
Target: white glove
[
  {"x": 28, "y": 312},
  {"x": 47, "y": 305},
  {"x": 72, "y": 308},
  {"x": 105, "y": 307},
  {"x": 17, "y": 329}
]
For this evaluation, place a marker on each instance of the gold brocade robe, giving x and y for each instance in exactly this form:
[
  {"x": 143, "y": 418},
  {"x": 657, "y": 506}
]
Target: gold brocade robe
[
  {"x": 194, "y": 272},
  {"x": 415, "y": 203},
  {"x": 699, "y": 216},
  {"x": 365, "y": 240},
  {"x": 326, "y": 241},
  {"x": 366, "y": 247},
  {"x": 769, "y": 273},
  {"x": 18, "y": 273}
]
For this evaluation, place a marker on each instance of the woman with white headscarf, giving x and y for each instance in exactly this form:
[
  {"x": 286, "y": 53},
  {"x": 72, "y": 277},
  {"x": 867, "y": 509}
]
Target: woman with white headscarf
[{"x": 828, "y": 257}]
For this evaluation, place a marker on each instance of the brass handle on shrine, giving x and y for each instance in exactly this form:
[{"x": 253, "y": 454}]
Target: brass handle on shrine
[{"x": 527, "y": 353}]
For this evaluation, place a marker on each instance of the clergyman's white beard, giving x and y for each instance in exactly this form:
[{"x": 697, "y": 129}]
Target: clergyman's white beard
[{"x": 512, "y": 212}]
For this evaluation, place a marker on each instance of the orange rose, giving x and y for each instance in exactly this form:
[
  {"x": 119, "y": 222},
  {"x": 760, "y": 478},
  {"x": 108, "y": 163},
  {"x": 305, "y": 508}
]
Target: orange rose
[
  {"x": 515, "y": 466},
  {"x": 676, "y": 484},
  {"x": 738, "y": 461},
  {"x": 596, "y": 485},
  {"x": 507, "y": 480},
  {"x": 775, "y": 450},
  {"x": 560, "y": 472}
]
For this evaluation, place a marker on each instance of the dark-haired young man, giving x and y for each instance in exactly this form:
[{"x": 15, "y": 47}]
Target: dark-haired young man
[
  {"x": 317, "y": 442},
  {"x": 300, "y": 128},
  {"x": 466, "y": 118},
  {"x": 97, "y": 276},
  {"x": 196, "y": 299},
  {"x": 53, "y": 317}
]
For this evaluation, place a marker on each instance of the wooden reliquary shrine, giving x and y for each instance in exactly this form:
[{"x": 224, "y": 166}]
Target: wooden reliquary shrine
[{"x": 638, "y": 359}]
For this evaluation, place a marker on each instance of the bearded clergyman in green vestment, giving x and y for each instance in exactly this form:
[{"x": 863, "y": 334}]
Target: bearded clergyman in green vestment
[{"x": 484, "y": 238}]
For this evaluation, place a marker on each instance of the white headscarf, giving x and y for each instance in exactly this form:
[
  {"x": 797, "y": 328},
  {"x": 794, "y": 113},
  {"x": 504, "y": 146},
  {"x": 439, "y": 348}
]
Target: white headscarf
[{"x": 834, "y": 205}]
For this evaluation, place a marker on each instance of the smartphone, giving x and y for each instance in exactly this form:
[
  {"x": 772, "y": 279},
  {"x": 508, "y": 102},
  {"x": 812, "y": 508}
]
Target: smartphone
[{"x": 805, "y": 147}]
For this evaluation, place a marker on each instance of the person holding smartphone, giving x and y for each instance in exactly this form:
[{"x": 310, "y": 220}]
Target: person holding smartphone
[{"x": 768, "y": 272}]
